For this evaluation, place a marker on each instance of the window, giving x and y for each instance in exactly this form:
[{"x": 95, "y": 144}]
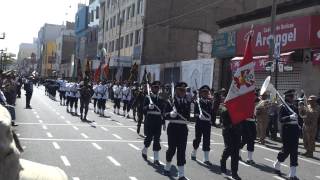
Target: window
[
  {"x": 140, "y": 6},
  {"x": 91, "y": 16},
  {"x": 108, "y": 4},
  {"x": 133, "y": 8},
  {"x": 131, "y": 39},
  {"x": 118, "y": 19},
  {"x": 121, "y": 42},
  {"x": 97, "y": 12},
  {"x": 127, "y": 41},
  {"x": 117, "y": 44},
  {"x": 128, "y": 12},
  {"x": 123, "y": 15},
  {"x": 107, "y": 24},
  {"x": 137, "y": 37}
]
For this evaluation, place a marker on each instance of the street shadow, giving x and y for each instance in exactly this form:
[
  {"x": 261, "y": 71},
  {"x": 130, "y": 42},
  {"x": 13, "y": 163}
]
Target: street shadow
[
  {"x": 160, "y": 169},
  {"x": 264, "y": 168},
  {"x": 273, "y": 147},
  {"x": 214, "y": 168}
]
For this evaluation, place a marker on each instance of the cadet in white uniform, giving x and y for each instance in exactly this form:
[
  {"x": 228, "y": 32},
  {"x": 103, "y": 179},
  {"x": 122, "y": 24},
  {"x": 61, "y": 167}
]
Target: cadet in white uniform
[
  {"x": 116, "y": 97},
  {"x": 126, "y": 99}
]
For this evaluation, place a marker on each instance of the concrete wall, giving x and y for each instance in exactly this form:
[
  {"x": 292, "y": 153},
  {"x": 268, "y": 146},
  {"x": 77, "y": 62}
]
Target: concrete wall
[{"x": 310, "y": 78}]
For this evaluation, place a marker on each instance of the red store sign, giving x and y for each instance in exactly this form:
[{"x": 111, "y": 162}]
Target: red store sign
[{"x": 298, "y": 33}]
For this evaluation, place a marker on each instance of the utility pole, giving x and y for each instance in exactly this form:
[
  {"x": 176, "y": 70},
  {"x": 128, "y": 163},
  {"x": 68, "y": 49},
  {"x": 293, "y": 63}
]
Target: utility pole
[{"x": 272, "y": 40}]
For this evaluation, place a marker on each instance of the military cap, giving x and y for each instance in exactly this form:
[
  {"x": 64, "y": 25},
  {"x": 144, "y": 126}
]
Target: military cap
[
  {"x": 204, "y": 88},
  {"x": 181, "y": 85},
  {"x": 156, "y": 83},
  {"x": 290, "y": 92}
]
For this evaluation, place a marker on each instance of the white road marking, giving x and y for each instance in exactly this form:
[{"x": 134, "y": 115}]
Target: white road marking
[
  {"x": 65, "y": 161},
  {"x": 279, "y": 178},
  {"x": 37, "y": 116},
  {"x": 44, "y": 127},
  {"x": 35, "y": 112},
  {"x": 131, "y": 129},
  {"x": 216, "y": 134},
  {"x": 40, "y": 121},
  {"x": 84, "y": 135},
  {"x": 68, "y": 122},
  {"x": 242, "y": 163},
  {"x": 318, "y": 177},
  {"x": 116, "y": 163},
  {"x": 75, "y": 128},
  {"x": 96, "y": 146},
  {"x": 58, "y": 113},
  {"x": 134, "y": 147},
  {"x": 165, "y": 145},
  {"x": 105, "y": 129},
  {"x": 116, "y": 136},
  {"x": 132, "y": 178},
  {"x": 49, "y": 135},
  {"x": 75, "y": 178},
  {"x": 56, "y": 145},
  {"x": 62, "y": 117},
  {"x": 18, "y": 134},
  {"x": 120, "y": 124},
  {"x": 274, "y": 162},
  {"x": 24, "y": 147}
]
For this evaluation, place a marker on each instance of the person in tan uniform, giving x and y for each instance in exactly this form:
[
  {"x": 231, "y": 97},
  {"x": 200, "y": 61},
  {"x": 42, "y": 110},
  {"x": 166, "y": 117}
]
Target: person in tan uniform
[
  {"x": 262, "y": 117},
  {"x": 14, "y": 168},
  {"x": 310, "y": 114}
]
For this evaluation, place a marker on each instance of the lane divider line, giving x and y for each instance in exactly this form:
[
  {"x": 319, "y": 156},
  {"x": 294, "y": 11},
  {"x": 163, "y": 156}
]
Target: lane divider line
[
  {"x": 75, "y": 128},
  {"x": 132, "y": 178},
  {"x": 49, "y": 135},
  {"x": 84, "y": 135},
  {"x": 116, "y": 163},
  {"x": 105, "y": 129},
  {"x": 134, "y": 147},
  {"x": 274, "y": 162},
  {"x": 44, "y": 127},
  {"x": 97, "y": 146},
  {"x": 131, "y": 129},
  {"x": 65, "y": 161},
  {"x": 56, "y": 145},
  {"x": 116, "y": 136}
]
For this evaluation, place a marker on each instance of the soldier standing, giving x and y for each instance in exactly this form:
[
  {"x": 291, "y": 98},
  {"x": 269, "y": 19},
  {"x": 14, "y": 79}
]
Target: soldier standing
[
  {"x": 231, "y": 137},
  {"x": 68, "y": 98},
  {"x": 94, "y": 97},
  {"x": 262, "y": 115},
  {"x": 153, "y": 107},
  {"x": 139, "y": 103},
  {"x": 311, "y": 117},
  {"x": 62, "y": 91},
  {"x": 290, "y": 135},
  {"x": 135, "y": 92},
  {"x": 178, "y": 114},
  {"x": 116, "y": 88},
  {"x": 203, "y": 124}
]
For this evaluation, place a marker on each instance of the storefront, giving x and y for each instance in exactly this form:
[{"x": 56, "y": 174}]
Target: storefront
[{"x": 299, "y": 40}]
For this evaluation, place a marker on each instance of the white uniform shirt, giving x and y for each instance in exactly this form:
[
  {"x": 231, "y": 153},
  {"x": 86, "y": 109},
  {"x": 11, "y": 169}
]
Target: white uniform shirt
[
  {"x": 116, "y": 91},
  {"x": 126, "y": 93},
  {"x": 62, "y": 85},
  {"x": 95, "y": 92},
  {"x": 67, "y": 88},
  {"x": 73, "y": 90},
  {"x": 102, "y": 91}
]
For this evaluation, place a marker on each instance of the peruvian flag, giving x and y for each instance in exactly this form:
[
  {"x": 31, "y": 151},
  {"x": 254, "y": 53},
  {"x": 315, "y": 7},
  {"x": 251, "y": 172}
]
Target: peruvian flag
[
  {"x": 97, "y": 74},
  {"x": 240, "y": 100}
]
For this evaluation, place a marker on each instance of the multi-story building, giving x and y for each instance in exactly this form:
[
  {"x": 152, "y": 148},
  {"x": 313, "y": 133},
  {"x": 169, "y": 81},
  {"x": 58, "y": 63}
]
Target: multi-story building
[
  {"x": 47, "y": 33},
  {"x": 81, "y": 27},
  {"x": 121, "y": 32},
  {"x": 48, "y": 59},
  {"x": 65, "y": 47},
  {"x": 26, "y": 59}
]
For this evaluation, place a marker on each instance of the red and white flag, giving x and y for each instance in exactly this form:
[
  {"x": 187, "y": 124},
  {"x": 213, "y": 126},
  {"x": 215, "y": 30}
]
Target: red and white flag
[{"x": 240, "y": 100}]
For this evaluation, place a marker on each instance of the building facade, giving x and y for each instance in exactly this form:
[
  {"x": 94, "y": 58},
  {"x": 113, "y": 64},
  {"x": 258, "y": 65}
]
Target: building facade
[{"x": 26, "y": 58}]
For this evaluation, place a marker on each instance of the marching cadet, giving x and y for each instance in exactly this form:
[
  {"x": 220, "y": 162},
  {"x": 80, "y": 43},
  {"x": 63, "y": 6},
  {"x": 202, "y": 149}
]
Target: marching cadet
[
  {"x": 126, "y": 99},
  {"x": 68, "y": 98},
  {"x": 248, "y": 136},
  {"x": 262, "y": 116},
  {"x": 231, "y": 137},
  {"x": 95, "y": 96},
  {"x": 135, "y": 92},
  {"x": 290, "y": 135},
  {"x": 85, "y": 95},
  {"x": 310, "y": 114},
  {"x": 153, "y": 108},
  {"x": 116, "y": 97},
  {"x": 139, "y": 103},
  {"x": 203, "y": 124},
  {"x": 74, "y": 98},
  {"x": 102, "y": 97},
  {"x": 178, "y": 114},
  {"x": 62, "y": 91}
]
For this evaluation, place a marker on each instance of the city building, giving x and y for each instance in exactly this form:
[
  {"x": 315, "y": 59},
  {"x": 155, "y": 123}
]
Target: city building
[
  {"x": 121, "y": 34},
  {"x": 81, "y": 27},
  {"x": 47, "y": 36},
  {"x": 26, "y": 59}
]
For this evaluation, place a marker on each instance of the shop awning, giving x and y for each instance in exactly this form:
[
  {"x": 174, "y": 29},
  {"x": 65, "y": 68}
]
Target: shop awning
[{"x": 261, "y": 61}]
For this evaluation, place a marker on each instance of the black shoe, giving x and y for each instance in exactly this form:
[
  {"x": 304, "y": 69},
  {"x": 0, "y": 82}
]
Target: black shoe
[
  {"x": 67, "y": 110},
  {"x": 208, "y": 163},
  {"x": 144, "y": 156},
  {"x": 250, "y": 162},
  {"x": 194, "y": 158},
  {"x": 183, "y": 178},
  {"x": 223, "y": 167},
  {"x": 278, "y": 172},
  {"x": 166, "y": 173},
  {"x": 156, "y": 162},
  {"x": 13, "y": 124},
  {"x": 81, "y": 117},
  {"x": 293, "y": 178},
  {"x": 240, "y": 158},
  {"x": 138, "y": 130},
  {"x": 235, "y": 177}
]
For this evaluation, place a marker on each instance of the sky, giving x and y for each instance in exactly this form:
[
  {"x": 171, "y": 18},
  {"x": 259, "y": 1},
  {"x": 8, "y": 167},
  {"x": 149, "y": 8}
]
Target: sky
[{"x": 22, "y": 19}]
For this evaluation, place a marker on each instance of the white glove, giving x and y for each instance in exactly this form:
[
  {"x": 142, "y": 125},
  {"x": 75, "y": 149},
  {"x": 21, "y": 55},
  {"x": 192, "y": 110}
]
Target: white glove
[
  {"x": 294, "y": 117},
  {"x": 202, "y": 117},
  {"x": 173, "y": 114},
  {"x": 151, "y": 106},
  {"x": 164, "y": 127}
]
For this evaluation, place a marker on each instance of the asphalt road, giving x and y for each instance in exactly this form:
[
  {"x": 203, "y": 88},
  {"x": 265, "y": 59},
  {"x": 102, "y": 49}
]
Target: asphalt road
[{"x": 110, "y": 148}]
